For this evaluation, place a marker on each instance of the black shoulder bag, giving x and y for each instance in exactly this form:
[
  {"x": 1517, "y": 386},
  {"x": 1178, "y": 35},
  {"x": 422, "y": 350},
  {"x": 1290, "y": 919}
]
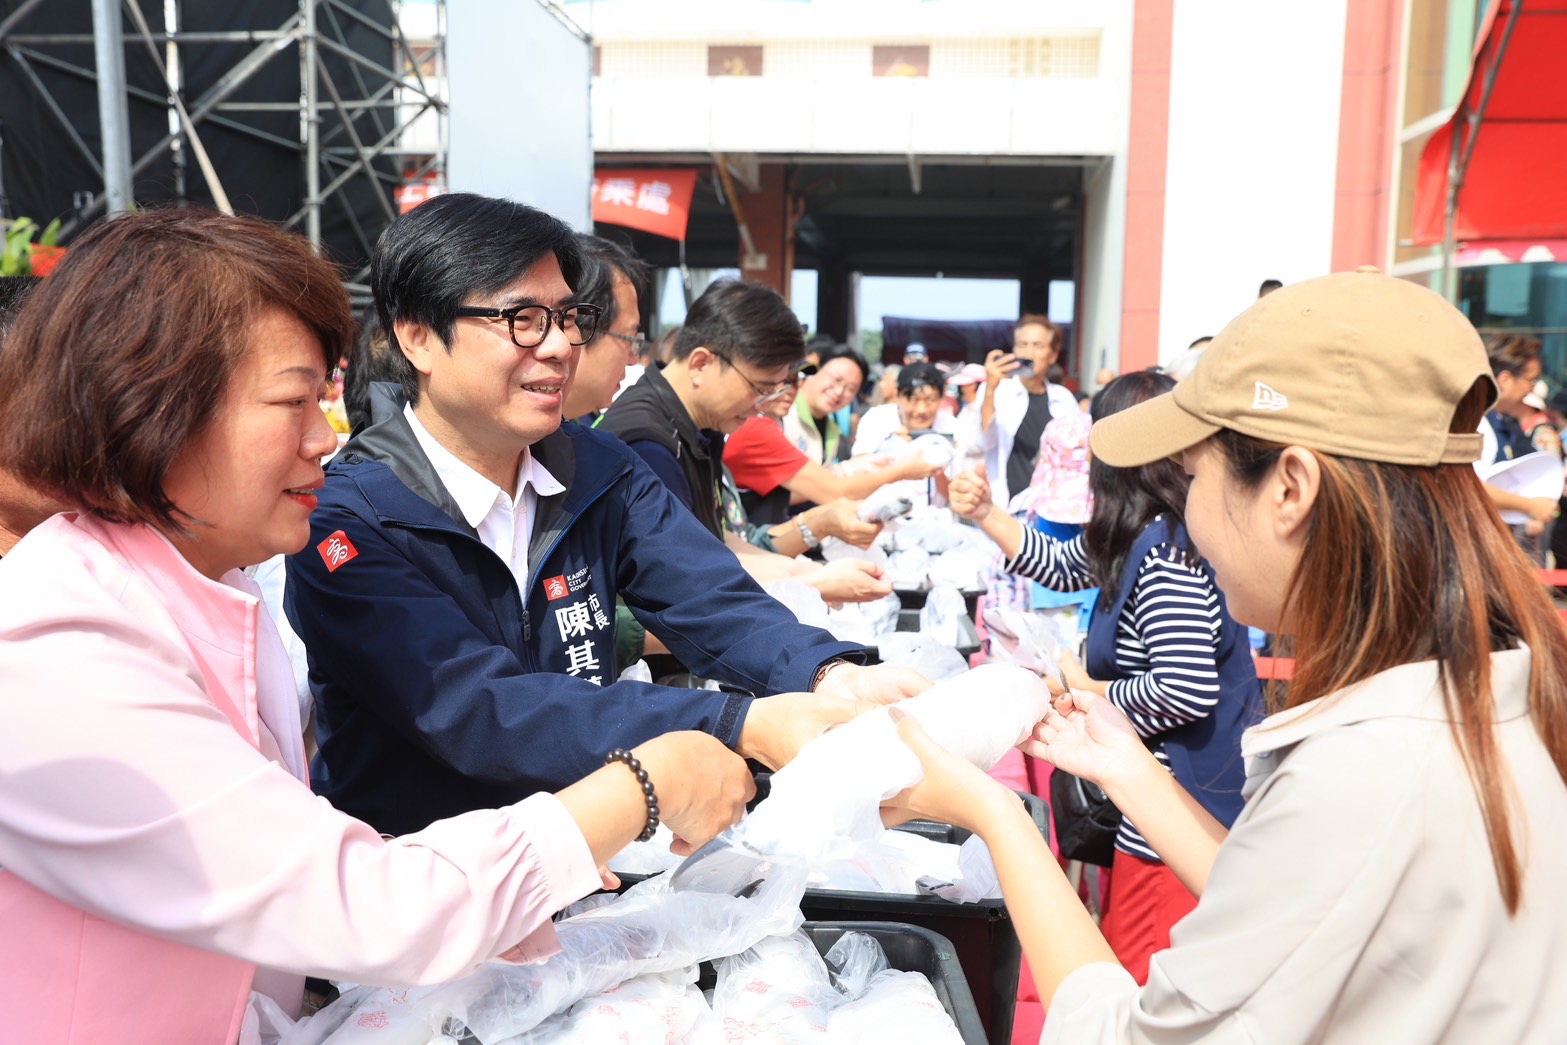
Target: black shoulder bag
[{"x": 1086, "y": 821}]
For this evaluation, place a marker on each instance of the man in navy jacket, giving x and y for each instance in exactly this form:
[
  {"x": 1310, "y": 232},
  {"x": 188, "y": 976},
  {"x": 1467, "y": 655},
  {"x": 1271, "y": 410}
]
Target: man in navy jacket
[{"x": 458, "y": 595}]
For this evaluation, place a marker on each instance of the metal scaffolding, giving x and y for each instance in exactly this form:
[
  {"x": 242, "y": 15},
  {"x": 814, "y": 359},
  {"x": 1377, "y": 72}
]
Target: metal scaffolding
[{"x": 354, "y": 123}]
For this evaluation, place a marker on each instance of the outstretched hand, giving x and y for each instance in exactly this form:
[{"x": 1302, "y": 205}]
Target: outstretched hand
[
  {"x": 702, "y": 786},
  {"x": 999, "y": 365},
  {"x": 952, "y": 789},
  {"x": 969, "y": 494},
  {"x": 1087, "y": 736},
  {"x": 1077, "y": 676},
  {"x": 777, "y": 727},
  {"x": 849, "y": 580},
  {"x": 878, "y": 684},
  {"x": 839, "y": 519}
]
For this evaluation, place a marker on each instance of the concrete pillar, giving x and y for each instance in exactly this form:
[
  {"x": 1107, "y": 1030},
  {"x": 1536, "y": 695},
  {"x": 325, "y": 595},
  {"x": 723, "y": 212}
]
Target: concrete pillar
[
  {"x": 1104, "y": 255},
  {"x": 1033, "y": 287},
  {"x": 1146, "y": 160},
  {"x": 833, "y": 299},
  {"x": 1366, "y": 192},
  {"x": 769, "y": 217}
]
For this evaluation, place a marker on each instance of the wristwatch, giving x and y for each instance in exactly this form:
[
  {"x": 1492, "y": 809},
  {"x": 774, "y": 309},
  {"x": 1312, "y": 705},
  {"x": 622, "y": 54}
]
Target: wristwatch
[{"x": 810, "y": 539}]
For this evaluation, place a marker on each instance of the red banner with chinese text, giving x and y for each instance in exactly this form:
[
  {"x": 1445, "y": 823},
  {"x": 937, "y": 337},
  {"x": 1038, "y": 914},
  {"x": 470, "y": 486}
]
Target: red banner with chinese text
[
  {"x": 411, "y": 195},
  {"x": 656, "y": 201}
]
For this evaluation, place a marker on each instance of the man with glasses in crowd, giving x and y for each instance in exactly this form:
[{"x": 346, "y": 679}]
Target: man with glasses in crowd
[
  {"x": 457, "y": 599},
  {"x": 737, "y": 352},
  {"x": 615, "y": 281}
]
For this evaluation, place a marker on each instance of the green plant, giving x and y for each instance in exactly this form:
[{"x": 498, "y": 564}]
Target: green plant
[{"x": 16, "y": 255}]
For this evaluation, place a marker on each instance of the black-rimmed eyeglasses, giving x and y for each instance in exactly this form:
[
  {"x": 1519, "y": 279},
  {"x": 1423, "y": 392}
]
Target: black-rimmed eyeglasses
[
  {"x": 763, "y": 395},
  {"x": 529, "y": 325}
]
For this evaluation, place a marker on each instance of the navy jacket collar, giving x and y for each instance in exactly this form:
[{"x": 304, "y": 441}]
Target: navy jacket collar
[{"x": 388, "y": 439}]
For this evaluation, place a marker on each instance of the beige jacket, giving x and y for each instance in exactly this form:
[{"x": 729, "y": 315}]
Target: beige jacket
[{"x": 1355, "y": 899}]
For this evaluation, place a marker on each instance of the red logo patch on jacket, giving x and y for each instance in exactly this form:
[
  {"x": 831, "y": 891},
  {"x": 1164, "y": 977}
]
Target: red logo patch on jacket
[
  {"x": 336, "y": 550},
  {"x": 555, "y": 587}
]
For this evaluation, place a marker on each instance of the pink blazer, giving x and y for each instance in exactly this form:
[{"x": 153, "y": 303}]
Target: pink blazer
[{"x": 155, "y": 846}]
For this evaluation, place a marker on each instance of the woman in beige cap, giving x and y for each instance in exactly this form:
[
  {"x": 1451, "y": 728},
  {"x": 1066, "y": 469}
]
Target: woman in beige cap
[{"x": 1396, "y": 872}]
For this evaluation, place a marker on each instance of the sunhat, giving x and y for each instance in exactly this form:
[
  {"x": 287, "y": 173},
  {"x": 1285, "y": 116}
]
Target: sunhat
[{"x": 969, "y": 374}]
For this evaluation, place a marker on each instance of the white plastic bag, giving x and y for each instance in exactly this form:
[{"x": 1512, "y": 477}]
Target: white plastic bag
[
  {"x": 825, "y": 803},
  {"x": 782, "y": 992},
  {"x": 963, "y": 567},
  {"x": 802, "y": 600},
  {"x": 884, "y": 504},
  {"x": 638, "y": 672},
  {"x": 907, "y": 568},
  {"x": 1028, "y": 640},
  {"x": 864, "y": 622},
  {"x": 778, "y": 991},
  {"x": 927, "y": 655},
  {"x": 834, "y": 549},
  {"x": 934, "y": 536},
  {"x": 943, "y": 616},
  {"x": 937, "y": 450},
  {"x": 897, "y": 1006},
  {"x": 650, "y": 929},
  {"x": 902, "y": 863},
  {"x": 853, "y": 960},
  {"x": 656, "y": 1008},
  {"x": 976, "y": 878}
]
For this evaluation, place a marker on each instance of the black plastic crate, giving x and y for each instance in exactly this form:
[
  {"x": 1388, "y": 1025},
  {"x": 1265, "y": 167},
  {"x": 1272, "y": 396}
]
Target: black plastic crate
[
  {"x": 982, "y": 935},
  {"x": 914, "y": 598},
  {"x": 911, "y": 948},
  {"x": 909, "y": 620}
]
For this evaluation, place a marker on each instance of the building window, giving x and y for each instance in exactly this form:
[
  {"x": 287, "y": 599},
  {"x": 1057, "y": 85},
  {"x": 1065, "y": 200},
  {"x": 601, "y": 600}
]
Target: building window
[
  {"x": 726, "y": 60},
  {"x": 1528, "y": 297},
  {"x": 900, "y": 60}
]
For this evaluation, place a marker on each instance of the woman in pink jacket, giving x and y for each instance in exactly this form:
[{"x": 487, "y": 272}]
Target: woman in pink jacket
[{"x": 161, "y": 853}]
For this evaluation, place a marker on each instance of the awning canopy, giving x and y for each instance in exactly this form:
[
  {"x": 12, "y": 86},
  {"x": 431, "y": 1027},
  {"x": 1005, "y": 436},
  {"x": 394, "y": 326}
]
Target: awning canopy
[{"x": 1505, "y": 148}]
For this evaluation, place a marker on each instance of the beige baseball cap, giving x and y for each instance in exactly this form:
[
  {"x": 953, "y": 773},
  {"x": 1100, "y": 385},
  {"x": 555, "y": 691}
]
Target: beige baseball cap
[{"x": 1356, "y": 364}]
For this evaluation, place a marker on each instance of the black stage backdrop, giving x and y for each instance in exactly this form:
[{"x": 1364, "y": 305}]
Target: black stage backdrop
[{"x": 258, "y": 156}]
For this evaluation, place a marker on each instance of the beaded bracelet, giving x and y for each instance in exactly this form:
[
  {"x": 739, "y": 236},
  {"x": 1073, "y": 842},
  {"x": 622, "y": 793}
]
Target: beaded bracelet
[{"x": 632, "y": 763}]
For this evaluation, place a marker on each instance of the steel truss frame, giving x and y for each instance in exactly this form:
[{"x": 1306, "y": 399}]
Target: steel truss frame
[{"x": 340, "y": 138}]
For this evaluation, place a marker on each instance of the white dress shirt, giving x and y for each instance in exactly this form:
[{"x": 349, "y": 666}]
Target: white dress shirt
[{"x": 504, "y": 523}]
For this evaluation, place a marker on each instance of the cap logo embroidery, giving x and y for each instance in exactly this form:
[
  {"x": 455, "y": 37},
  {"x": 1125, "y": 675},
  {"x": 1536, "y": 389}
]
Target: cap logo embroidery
[
  {"x": 1266, "y": 398},
  {"x": 555, "y": 587},
  {"x": 336, "y": 550}
]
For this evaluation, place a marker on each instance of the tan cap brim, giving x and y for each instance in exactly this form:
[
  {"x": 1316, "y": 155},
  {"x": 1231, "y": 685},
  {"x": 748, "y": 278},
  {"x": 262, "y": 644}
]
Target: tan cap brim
[{"x": 1150, "y": 431}]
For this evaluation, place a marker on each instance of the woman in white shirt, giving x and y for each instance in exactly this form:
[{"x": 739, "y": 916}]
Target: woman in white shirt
[{"x": 1395, "y": 874}]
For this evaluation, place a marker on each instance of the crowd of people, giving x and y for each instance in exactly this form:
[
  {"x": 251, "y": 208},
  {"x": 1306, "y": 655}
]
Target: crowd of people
[{"x": 281, "y": 705}]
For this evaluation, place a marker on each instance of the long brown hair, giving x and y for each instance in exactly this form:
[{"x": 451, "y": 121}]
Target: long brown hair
[
  {"x": 1126, "y": 500},
  {"x": 1405, "y": 564},
  {"x": 123, "y": 353}
]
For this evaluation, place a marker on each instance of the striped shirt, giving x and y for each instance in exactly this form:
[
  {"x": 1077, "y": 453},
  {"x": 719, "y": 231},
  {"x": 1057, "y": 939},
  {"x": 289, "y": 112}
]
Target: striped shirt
[{"x": 1166, "y": 642}]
